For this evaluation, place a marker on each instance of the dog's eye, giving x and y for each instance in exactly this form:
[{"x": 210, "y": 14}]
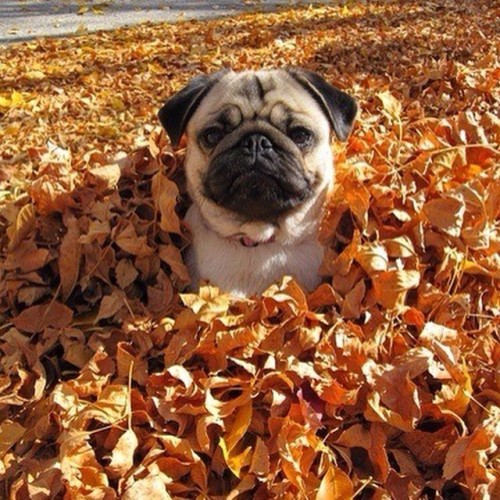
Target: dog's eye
[
  {"x": 301, "y": 136},
  {"x": 211, "y": 136}
]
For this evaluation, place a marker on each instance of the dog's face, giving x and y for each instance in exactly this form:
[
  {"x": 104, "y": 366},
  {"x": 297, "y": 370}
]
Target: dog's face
[{"x": 258, "y": 145}]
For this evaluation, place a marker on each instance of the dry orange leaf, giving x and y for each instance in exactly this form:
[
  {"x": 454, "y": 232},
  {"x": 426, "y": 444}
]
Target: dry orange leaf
[
  {"x": 122, "y": 457},
  {"x": 335, "y": 485},
  {"x": 390, "y": 287}
]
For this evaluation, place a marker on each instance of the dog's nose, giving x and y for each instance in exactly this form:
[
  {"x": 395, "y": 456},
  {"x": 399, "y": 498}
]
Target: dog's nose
[{"x": 256, "y": 143}]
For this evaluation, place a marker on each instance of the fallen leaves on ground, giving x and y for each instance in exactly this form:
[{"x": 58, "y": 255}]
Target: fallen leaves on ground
[{"x": 116, "y": 382}]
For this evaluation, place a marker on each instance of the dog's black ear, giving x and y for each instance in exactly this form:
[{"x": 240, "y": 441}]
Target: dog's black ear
[
  {"x": 339, "y": 107},
  {"x": 177, "y": 111}
]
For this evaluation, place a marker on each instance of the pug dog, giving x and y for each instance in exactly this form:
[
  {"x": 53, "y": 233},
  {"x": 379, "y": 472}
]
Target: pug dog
[{"x": 259, "y": 167}]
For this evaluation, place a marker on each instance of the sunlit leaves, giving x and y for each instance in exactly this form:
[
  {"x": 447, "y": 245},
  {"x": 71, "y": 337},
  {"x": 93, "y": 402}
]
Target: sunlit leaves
[{"x": 116, "y": 381}]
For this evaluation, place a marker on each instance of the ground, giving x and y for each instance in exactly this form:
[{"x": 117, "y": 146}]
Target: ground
[
  {"x": 28, "y": 19},
  {"x": 382, "y": 383}
]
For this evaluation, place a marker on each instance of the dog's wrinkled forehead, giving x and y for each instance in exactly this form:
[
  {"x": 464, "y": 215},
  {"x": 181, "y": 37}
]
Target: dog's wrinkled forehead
[
  {"x": 256, "y": 99},
  {"x": 270, "y": 95},
  {"x": 255, "y": 87}
]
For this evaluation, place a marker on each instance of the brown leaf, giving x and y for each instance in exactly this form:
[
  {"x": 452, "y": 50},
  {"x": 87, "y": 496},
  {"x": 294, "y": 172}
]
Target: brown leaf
[
  {"x": 128, "y": 240},
  {"x": 351, "y": 306},
  {"x": 37, "y": 318},
  {"x": 372, "y": 257},
  {"x": 69, "y": 256},
  {"x": 356, "y": 389},
  {"x": 126, "y": 273},
  {"x": 22, "y": 226},
  {"x": 172, "y": 256},
  {"x": 165, "y": 194},
  {"x": 10, "y": 433},
  {"x": 431, "y": 448},
  {"x": 110, "y": 305},
  {"x": 260, "y": 459},
  {"x": 27, "y": 257}
]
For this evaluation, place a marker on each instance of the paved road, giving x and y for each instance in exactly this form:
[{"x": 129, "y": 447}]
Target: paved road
[{"x": 26, "y": 19}]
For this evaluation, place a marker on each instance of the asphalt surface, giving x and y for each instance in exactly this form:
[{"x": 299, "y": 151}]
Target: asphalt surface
[{"x": 22, "y": 20}]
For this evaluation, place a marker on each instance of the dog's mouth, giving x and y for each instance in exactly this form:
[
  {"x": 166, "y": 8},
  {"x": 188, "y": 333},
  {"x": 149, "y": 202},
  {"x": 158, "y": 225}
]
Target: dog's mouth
[
  {"x": 257, "y": 186},
  {"x": 257, "y": 196}
]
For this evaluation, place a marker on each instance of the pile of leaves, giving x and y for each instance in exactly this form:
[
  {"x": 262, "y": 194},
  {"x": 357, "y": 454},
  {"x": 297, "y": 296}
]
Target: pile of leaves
[{"x": 383, "y": 382}]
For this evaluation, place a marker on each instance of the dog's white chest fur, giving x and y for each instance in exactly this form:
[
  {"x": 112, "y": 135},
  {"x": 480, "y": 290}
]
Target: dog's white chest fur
[{"x": 246, "y": 271}]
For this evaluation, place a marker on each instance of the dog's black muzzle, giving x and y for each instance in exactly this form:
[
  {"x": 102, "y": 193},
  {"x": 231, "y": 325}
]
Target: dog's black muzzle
[{"x": 257, "y": 178}]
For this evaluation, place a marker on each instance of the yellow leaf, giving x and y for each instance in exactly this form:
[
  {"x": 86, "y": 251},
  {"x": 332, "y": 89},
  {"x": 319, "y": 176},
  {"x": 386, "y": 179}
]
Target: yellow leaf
[
  {"x": 239, "y": 426},
  {"x": 218, "y": 404},
  {"x": 152, "y": 486},
  {"x": 391, "y": 105},
  {"x": 98, "y": 9},
  {"x": 111, "y": 406},
  {"x": 5, "y": 102},
  {"x": 82, "y": 472},
  {"x": 117, "y": 104},
  {"x": 122, "y": 457},
  {"x": 433, "y": 331},
  {"x": 401, "y": 246},
  {"x": 81, "y": 29},
  {"x": 236, "y": 461},
  {"x": 208, "y": 304},
  {"x": 17, "y": 98},
  {"x": 108, "y": 131},
  {"x": 35, "y": 75}
]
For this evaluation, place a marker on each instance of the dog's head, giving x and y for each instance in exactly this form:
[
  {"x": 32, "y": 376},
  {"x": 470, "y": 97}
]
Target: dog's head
[{"x": 258, "y": 144}]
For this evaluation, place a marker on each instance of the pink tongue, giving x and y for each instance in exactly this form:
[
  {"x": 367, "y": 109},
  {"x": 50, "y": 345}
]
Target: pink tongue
[{"x": 248, "y": 242}]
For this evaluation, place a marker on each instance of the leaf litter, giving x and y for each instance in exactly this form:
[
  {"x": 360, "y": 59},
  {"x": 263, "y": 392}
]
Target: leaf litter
[{"x": 383, "y": 383}]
